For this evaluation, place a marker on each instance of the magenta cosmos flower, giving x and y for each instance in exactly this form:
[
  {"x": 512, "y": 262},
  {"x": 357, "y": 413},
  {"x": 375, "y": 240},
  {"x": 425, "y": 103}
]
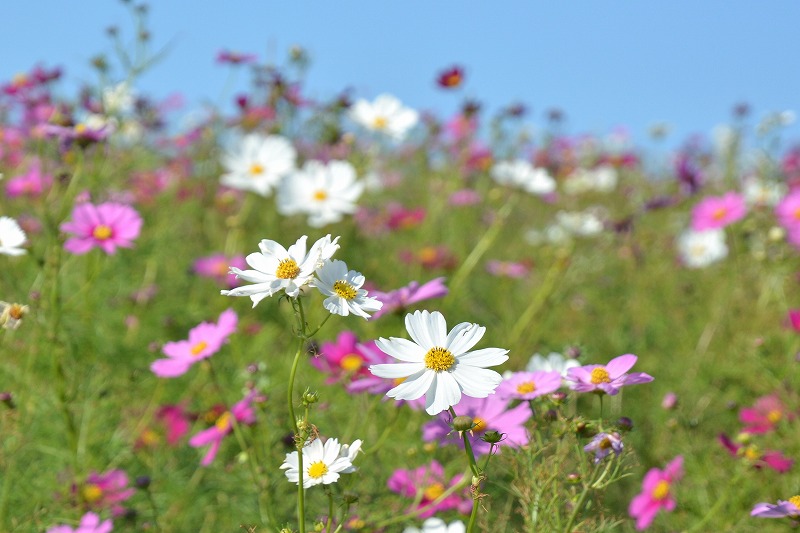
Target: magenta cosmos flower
[
  {"x": 656, "y": 493},
  {"x": 90, "y": 523},
  {"x": 716, "y": 212},
  {"x": 529, "y": 385},
  {"x": 607, "y": 379},
  {"x": 106, "y": 491},
  {"x": 790, "y": 508},
  {"x": 106, "y": 226},
  {"x": 32, "y": 184},
  {"x": 770, "y": 458},
  {"x": 788, "y": 211},
  {"x": 344, "y": 359},
  {"x": 241, "y": 413},
  {"x": 204, "y": 341},
  {"x": 488, "y": 414},
  {"x": 426, "y": 484},
  {"x": 399, "y": 300},
  {"x": 765, "y": 415}
]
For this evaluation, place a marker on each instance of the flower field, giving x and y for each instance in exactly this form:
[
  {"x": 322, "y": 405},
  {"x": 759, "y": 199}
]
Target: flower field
[{"x": 345, "y": 314}]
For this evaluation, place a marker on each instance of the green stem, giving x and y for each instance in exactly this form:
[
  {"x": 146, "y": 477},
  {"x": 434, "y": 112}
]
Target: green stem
[
  {"x": 734, "y": 484},
  {"x": 581, "y": 500},
  {"x": 330, "y": 510},
  {"x": 297, "y": 304}
]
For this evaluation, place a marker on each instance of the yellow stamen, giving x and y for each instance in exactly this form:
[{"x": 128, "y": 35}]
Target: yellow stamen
[
  {"x": 80, "y": 129},
  {"x": 774, "y": 416},
  {"x": 380, "y": 123},
  {"x": 439, "y": 359},
  {"x": 287, "y": 269},
  {"x": 661, "y": 491},
  {"x": 256, "y": 169},
  {"x": 17, "y": 311},
  {"x": 795, "y": 500},
  {"x": 605, "y": 443},
  {"x": 600, "y": 375},
  {"x": 526, "y": 388},
  {"x": 719, "y": 213},
  {"x": 223, "y": 423},
  {"x": 351, "y": 362},
  {"x": 433, "y": 491},
  {"x": 344, "y": 289},
  {"x": 91, "y": 493},
  {"x": 427, "y": 254},
  {"x": 480, "y": 425},
  {"x": 101, "y": 232},
  {"x": 320, "y": 195},
  {"x": 199, "y": 347},
  {"x": 317, "y": 470}
]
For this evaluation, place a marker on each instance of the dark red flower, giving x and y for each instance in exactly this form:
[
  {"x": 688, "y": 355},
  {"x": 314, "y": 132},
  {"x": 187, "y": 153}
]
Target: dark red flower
[{"x": 450, "y": 78}]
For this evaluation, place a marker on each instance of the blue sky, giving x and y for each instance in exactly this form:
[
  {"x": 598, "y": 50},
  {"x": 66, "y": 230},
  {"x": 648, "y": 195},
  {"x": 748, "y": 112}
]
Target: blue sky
[{"x": 606, "y": 64}]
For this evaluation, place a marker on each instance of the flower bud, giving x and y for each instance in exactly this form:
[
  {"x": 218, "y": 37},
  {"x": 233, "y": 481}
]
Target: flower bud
[
  {"x": 463, "y": 423},
  {"x": 310, "y": 397},
  {"x": 350, "y": 497},
  {"x": 493, "y": 437},
  {"x": 625, "y": 423},
  {"x": 573, "y": 478},
  {"x": 142, "y": 482}
]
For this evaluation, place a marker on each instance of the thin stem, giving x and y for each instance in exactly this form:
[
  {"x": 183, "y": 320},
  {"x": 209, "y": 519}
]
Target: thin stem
[
  {"x": 297, "y": 304},
  {"x": 330, "y": 510},
  {"x": 580, "y": 502}
]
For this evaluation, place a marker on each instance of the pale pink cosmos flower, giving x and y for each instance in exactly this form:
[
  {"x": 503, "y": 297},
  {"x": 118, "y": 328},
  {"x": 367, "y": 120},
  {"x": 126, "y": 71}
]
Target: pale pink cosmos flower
[
  {"x": 106, "y": 226},
  {"x": 90, "y": 523},
  {"x": 765, "y": 415},
  {"x": 216, "y": 266},
  {"x": 789, "y": 508},
  {"x": 716, "y": 212},
  {"x": 656, "y": 493},
  {"x": 204, "y": 341},
  {"x": 32, "y": 184},
  {"x": 788, "y": 211},
  {"x": 106, "y": 491},
  {"x": 241, "y": 413},
  {"x": 607, "y": 378},
  {"x": 529, "y": 385},
  {"x": 400, "y": 299}
]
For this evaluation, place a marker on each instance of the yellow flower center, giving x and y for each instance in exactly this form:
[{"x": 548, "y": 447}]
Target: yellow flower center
[
  {"x": 101, "y": 232},
  {"x": 19, "y": 79},
  {"x": 199, "y": 347},
  {"x": 795, "y": 500},
  {"x": 480, "y": 425},
  {"x": 256, "y": 169},
  {"x": 526, "y": 387},
  {"x": 16, "y": 311},
  {"x": 439, "y": 359},
  {"x": 80, "y": 129},
  {"x": 433, "y": 491},
  {"x": 351, "y": 362},
  {"x": 223, "y": 423},
  {"x": 91, "y": 492},
  {"x": 287, "y": 269},
  {"x": 751, "y": 452},
  {"x": 380, "y": 123},
  {"x": 796, "y": 213},
  {"x": 427, "y": 254},
  {"x": 600, "y": 375},
  {"x": 344, "y": 289},
  {"x": 605, "y": 443},
  {"x": 320, "y": 195},
  {"x": 317, "y": 470},
  {"x": 149, "y": 437},
  {"x": 661, "y": 491},
  {"x": 719, "y": 213},
  {"x": 774, "y": 416}
]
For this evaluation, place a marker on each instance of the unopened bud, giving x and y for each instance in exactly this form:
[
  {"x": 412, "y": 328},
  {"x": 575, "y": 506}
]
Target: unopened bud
[
  {"x": 463, "y": 423},
  {"x": 493, "y": 437},
  {"x": 625, "y": 423}
]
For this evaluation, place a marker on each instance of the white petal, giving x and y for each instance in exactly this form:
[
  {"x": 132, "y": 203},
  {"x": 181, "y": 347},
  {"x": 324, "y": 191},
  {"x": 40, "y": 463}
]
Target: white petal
[
  {"x": 443, "y": 393},
  {"x": 463, "y": 337},
  {"x": 396, "y": 370},
  {"x": 402, "y": 349},
  {"x": 476, "y": 382},
  {"x": 485, "y": 357},
  {"x": 415, "y": 386}
]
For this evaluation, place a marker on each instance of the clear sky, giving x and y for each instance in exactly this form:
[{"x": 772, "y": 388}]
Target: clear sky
[{"x": 604, "y": 63}]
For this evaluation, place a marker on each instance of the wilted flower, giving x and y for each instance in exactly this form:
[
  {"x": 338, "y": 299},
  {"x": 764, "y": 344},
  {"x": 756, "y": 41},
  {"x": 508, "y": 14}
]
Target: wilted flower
[
  {"x": 603, "y": 444},
  {"x": 437, "y": 364},
  {"x": 106, "y": 226},
  {"x": 11, "y": 314},
  {"x": 656, "y": 493}
]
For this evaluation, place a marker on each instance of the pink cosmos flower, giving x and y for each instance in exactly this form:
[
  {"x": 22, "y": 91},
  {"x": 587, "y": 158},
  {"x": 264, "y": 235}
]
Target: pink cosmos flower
[
  {"x": 771, "y": 458},
  {"x": 430, "y": 483},
  {"x": 656, "y": 493},
  {"x": 464, "y": 197},
  {"x": 176, "y": 422},
  {"x": 241, "y": 413},
  {"x": 507, "y": 269},
  {"x": 204, "y": 341},
  {"x": 106, "y": 226},
  {"x": 216, "y": 267},
  {"x": 488, "y": 414},
  {"x": 345, "y": 358},
  {"x": 607, "y": 379},
  {"x": 764, "y": 416},
  {"x": 794, "y": 319},
  {"x": 529, "y": 385},
  {"x": 400, "y": 299},
  {"x": 788, "y": 211},
  {"x": 716, "y": 212},
  {"x": 790, "y": 508},
  {"x": 31, "y": 184},
  {"x": 90, "y": 523},
  {"x": 106, "y": 491},
  {"x": 366, "y": 382}
]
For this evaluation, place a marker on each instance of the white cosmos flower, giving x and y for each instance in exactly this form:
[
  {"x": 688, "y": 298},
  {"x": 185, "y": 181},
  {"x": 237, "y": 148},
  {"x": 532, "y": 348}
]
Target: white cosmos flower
[
  {"x": 437, "y": 525},
  {"x": 118, "y": 99},
  {"x": 324, "y": 192},
  {"x": 258, "y": 163},
  {"x": 350, "y": 451},
  {"x": 321, "y": 464},
  {"x": 275, "y": 268},
  {"x": 437, "y": 364},
  {"x": 11, "y": 237},
  {"x": 520, "y": 173},
  {"x": 699, "y": 249},
  {"x": 385, "y": 115},
  {"x": 554, "y": 362},
  {"x": 343, "y": 290}
]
